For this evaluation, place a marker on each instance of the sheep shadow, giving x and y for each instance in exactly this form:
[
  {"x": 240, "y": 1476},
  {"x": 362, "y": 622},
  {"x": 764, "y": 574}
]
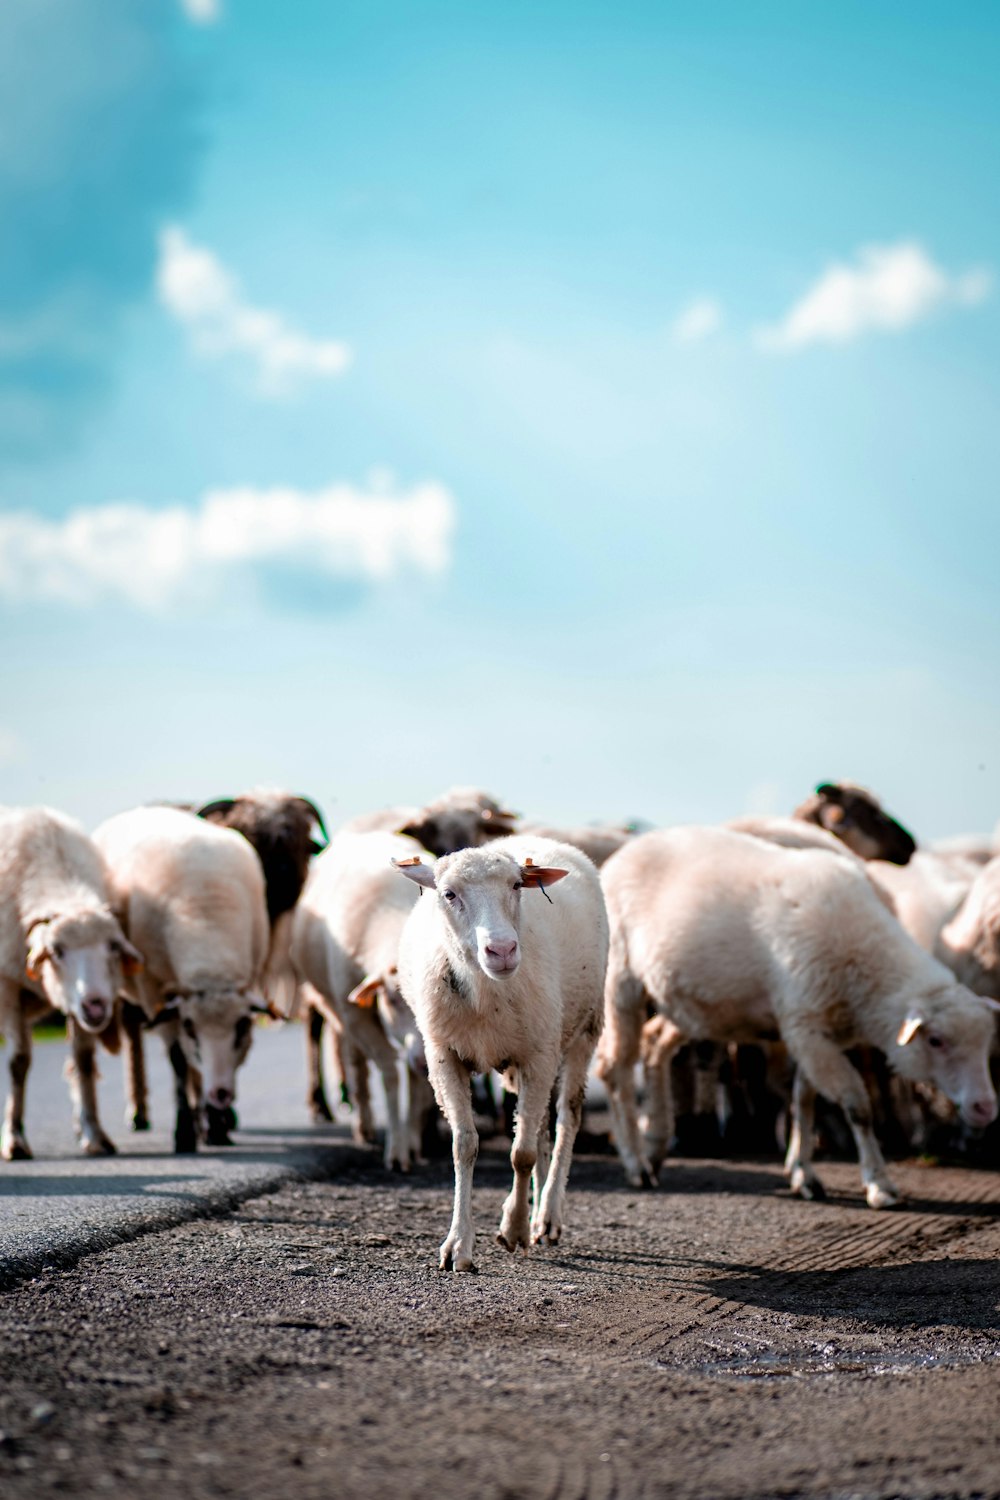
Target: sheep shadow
[{"x": 919, "y": 1294}]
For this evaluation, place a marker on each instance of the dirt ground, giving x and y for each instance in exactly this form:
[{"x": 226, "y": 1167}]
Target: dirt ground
[{"x": 714, "y": 1338}]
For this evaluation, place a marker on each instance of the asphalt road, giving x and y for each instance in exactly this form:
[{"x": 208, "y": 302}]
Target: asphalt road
[{"x": 61, "y": 1204}]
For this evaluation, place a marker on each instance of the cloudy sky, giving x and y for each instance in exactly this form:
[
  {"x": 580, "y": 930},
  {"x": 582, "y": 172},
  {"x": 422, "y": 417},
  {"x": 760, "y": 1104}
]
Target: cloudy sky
[{"x": 597, "y": 403}]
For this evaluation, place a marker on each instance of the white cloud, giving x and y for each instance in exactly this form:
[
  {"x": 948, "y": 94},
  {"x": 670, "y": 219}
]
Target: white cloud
[
  {"x": 698, "y": 321},
  {"x": 154, "y": 559},
  {"x": 202, "y": 12},
  {"x": 889, "y": 288},
  {"x": 197, "y": 289}
]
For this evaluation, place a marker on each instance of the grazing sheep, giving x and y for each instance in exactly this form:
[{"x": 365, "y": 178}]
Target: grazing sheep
[
  {"x": 60, "y": 949},
  {"x": 735, "y": 939},
  {"x": 497, "y": 981},
  {"x": 192, "y": 899},
  {"x": 858, "y": 819},
  {"x": 345, "y": 941},
  {"x": 952, "y": 909}
]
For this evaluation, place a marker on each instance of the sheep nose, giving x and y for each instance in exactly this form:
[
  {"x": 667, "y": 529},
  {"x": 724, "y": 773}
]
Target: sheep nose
[
  {"x": 503, "y": 950},
  {"x": 94, "y": 1010},
  {"x": 984, "y": 1111},
  {"x": 221, "y": 1098}
]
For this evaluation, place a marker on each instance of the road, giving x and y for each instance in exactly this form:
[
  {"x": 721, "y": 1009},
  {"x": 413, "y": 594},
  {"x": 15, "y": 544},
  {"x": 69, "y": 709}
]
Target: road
[
  {"x": 715, "y": 1338},
  {"x": 62, "y": 1204}
]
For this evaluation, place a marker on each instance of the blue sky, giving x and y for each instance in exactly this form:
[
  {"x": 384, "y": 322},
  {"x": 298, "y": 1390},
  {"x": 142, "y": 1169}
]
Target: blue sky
[{"x": 596, "y": 403}]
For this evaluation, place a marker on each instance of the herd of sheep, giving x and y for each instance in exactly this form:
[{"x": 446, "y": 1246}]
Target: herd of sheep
[{"x": 746, "y": 971}]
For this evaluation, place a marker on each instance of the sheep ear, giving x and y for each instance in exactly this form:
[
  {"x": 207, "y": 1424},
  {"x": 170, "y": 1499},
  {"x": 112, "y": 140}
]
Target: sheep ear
[
  {"x": 498, "y": 817},
  {"x": 131, "y": 958},
  {"x": 38, "y": 951},
  {"x": 909, "y": 1029},
  {"x": 989, "y": 1002},
  {"x": 540, "y": 875},
  {"x": 259, "y": 1007},
  {"x": 366, "y": 993},
  {"x": 169, "y": 1012},
  {"x": 415, "y": 869}
]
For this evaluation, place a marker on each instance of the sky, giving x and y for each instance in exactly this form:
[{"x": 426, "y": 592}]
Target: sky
[{"x": 596, "y": 403}]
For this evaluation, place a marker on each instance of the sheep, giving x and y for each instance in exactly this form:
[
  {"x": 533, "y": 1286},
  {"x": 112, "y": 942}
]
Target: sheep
[
  {"x": 192, "y": 899},
  {"x": 952, "y": 909},
  {"x": 735, "y": 939},
  {"x": 345, "y": 938},
  {"x": 285, "y": 829},
  {"x": 61, "y": 949},
  {"x": 926, "y": 893},
  {"x": 598, "y": 842},
  {"x": 791, "y": 833},
  {"x": 497, "y": 982},
  {"x": 462, "y": 818},
  {"x": 857, "y": 817}
]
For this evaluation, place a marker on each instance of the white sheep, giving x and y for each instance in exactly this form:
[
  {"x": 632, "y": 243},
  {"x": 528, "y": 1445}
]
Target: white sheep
[
  {"x": 60, "y": 948},
  {"x": 345, "y": 942},
  {"x": 598, "y": 842},
  {"x": 500, "y": 982},
  {"x": 736, "y": 939},
  {"x": 191, "y": 896}
]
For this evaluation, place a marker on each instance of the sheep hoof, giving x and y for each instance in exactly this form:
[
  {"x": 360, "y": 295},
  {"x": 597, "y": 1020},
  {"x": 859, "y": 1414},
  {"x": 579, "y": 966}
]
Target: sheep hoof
[
  {"x": 98, "y": 1145},
  {"x": 16, "y": 1149},
  {"x": 647, "y": 1179},
  {"x": 319, "y": 1109},
  {"x": 881, "y": 1197},
  {"x": 547, "y": 1234},
  {"x": 806, "y": 1186},
  {"x": 139, "y": 1121},
  {"x": 462, "y": 1265}
]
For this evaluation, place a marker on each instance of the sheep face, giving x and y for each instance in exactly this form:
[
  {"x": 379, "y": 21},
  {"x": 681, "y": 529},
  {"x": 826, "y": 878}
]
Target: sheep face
[
  {"x": 451, "y": 829},
  {"x": 946, "y": 1040},
  {"x": 215, "y": 1032},
  {"x": 856, "y": 818},
  {"x": 79, "y": 961},
  {"x": 478, "y": 892}
]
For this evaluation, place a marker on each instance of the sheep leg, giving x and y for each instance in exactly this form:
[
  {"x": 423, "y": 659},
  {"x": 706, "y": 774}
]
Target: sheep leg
[
  {"x": 450, "y": 1079},
  {"x": 661, "y": 1046},
  {"x": 81, "y": 1073},
  {"x": 355, "y": 1066},
  {"x": 533, "y": 1096},
  {"x": 136, "y": 1089},
  {"x": 540, "y": 1171},
  {"x": 318, "y": 1104},
  {"x": 186, "y": 1125},
  {"x": 13, "y": 1145},
  {"x": 798, "y": 1159},
  {"x": 834, "y": 1076},
  {"x": 618, "y": 1053},
  {"x": 548, "y": 1221},
  {"x": 367, "y": 1039}
]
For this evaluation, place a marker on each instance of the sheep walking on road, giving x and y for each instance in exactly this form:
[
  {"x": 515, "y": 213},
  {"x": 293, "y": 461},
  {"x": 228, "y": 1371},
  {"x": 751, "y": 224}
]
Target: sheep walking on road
[
  {"x": 345, "y": 942},
  {"x": 60, "y": 949},
  {"x": 191, "y": 896},
  {"x": 735, "y": 939},
  {"x": 502, "y": 976}
]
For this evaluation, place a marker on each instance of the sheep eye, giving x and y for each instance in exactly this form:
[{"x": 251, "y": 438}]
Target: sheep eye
[
  {"x": 242, "y": 1028},
  {"x": 449, "y": 895},
  {"x": 58, "y": 950},
  {"x": 935, "y": 1041},
  {"x": 518, "y": 885}
]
